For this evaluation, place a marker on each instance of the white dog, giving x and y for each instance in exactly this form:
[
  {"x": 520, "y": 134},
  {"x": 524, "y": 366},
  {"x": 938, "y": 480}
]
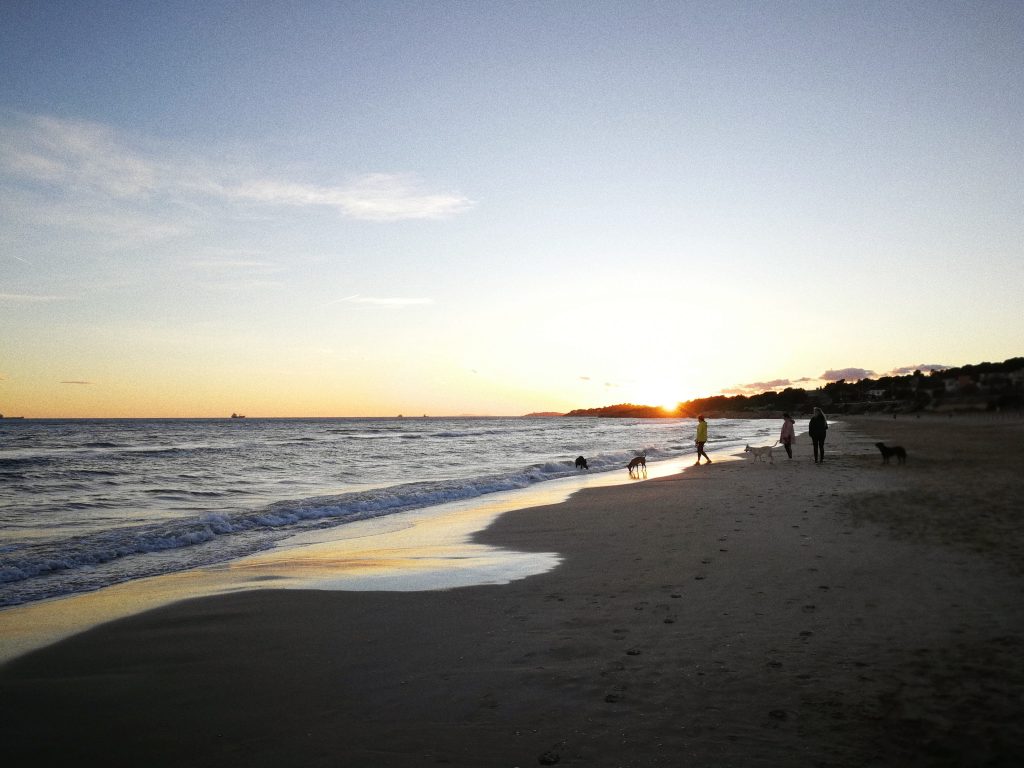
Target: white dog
[{"x": 761, "y": 452}]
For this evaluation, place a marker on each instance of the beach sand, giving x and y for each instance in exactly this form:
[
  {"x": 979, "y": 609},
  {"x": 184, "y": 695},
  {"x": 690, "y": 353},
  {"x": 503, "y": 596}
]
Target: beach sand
[{"x": 739, "y": 614}]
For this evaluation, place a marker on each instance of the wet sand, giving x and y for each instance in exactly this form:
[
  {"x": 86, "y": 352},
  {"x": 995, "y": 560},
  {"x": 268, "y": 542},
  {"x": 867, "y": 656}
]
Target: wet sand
[{"x": 739, "y": 614}]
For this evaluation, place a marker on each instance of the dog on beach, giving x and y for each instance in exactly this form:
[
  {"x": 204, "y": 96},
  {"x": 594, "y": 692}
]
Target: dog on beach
[
  {"x": 581, "y": 463},
  {"x": 760, "y": 452},
  {"x": 888, "y": 452},
  {"x": 637, "y": 464}
]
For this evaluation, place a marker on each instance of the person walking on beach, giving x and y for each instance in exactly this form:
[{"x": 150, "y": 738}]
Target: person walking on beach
[
  {"x": 816, "y": 428},
  {"x": 702, "y": 437},
  {"x": 788, "y": 434}
]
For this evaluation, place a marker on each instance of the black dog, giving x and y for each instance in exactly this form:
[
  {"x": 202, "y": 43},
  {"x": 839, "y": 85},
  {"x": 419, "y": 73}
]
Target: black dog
[
  {"x": 581, "y": 463},
  {"x": 887, "y": 453}
]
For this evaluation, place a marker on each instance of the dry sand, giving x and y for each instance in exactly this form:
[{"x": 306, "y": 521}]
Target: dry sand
[{"x": 851, "y": 614}]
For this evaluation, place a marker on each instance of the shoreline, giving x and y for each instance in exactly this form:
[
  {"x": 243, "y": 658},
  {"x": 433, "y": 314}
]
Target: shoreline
[
  {"x": 416, "y": 550},
  {"x": 738, "y": 614}
]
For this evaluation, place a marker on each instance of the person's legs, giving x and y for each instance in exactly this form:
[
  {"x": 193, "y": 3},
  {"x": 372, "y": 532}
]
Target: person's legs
[
  {"x": 700, "y": 452},
  {"x": 817, "y": 448},
  {"x": 789, "y": 449}
]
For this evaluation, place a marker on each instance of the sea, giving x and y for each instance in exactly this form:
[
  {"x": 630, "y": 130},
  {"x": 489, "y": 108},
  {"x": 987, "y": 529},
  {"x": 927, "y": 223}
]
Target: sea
[{"x": 88, "y": 503}]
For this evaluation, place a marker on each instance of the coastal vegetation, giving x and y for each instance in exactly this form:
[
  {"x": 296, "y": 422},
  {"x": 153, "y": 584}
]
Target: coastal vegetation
[{"x": 977, "y": 387}]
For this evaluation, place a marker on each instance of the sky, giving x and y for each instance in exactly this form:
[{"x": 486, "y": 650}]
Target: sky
[{"x": 446, "y": 208}]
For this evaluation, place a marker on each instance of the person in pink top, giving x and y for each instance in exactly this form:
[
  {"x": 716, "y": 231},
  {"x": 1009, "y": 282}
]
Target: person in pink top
[{"x": 788, "y": 434}]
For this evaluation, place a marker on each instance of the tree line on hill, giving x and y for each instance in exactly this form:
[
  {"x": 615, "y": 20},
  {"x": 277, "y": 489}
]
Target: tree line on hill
[{"x": 980, "y": 387}]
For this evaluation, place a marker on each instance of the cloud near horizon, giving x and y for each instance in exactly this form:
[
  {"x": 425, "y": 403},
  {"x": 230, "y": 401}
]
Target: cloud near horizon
[
  {"x": 757, "y": 387},
  {"x": 923, "y": 367},
  {"x": 94, "y": 162},
  {"x": 77, "y": 382},
  {"x": 773, "y": 384},
  {"x": 847, "y": 374}
]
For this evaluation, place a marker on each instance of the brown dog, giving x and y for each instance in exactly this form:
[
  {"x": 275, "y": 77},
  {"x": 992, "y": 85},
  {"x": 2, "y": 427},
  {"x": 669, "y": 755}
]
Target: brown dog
[{"x": 637, "y": 464}]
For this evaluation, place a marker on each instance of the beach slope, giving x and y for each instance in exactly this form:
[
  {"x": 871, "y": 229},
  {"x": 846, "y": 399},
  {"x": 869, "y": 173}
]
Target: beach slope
[{"x": 738, "y": 614}]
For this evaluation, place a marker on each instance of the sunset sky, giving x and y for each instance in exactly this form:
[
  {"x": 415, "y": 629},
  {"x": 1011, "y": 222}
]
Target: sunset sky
[{"x": 373, "y": 208}]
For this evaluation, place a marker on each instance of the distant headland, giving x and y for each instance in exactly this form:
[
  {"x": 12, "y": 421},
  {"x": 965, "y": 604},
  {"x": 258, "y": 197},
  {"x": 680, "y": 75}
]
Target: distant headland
[{"x": 979, "y": 387}]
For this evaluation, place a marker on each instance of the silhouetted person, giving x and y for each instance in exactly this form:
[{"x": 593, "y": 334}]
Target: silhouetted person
[
  {"x": 816, "y": 428},
  {"x": 788, "y": 434},
  {"x": 702, "y": 437}
]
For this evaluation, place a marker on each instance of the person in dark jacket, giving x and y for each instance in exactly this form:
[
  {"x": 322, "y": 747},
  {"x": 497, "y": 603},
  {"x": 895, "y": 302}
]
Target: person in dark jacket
[{"x": 816, "y": 428}]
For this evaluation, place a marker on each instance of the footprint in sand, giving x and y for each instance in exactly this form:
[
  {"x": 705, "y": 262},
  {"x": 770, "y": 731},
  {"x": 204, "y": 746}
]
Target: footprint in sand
[{"x": 612, "y": 667}]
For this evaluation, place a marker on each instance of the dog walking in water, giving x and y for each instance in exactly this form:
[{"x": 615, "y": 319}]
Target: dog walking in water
[{"x": 581, "y": 463}]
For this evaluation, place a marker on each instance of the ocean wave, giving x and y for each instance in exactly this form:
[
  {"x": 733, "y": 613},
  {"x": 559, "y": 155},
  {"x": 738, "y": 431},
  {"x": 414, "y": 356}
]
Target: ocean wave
[
  {"x": 467, "y": 433},
  {"x": 25, "y": 462},
  {"x": 249, "y": 530}
]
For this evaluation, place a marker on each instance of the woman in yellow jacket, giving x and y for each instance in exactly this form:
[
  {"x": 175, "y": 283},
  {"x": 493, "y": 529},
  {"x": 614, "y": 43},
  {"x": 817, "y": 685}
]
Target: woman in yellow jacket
[{"x": 702, "y": 437}]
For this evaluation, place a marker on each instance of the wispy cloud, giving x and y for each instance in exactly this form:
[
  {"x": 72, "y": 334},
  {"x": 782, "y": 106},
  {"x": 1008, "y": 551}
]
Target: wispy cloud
[
  {"x": 29, "y": 298},
  {"x": 230, "y": 265},
  {"x": 87, "y": 383},
  {"x": 75, "y": 155},
  {"x": 373, "y": 197},
  {"x": 382, "y": 301},
  {"x": 93, "y": 162}
]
